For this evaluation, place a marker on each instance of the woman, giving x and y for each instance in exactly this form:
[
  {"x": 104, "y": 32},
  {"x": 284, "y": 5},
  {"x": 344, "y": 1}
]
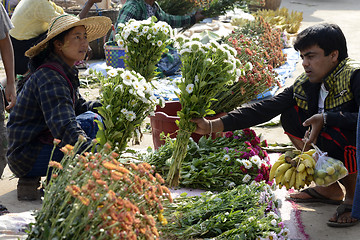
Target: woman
[{"x": 49, "y": 104}]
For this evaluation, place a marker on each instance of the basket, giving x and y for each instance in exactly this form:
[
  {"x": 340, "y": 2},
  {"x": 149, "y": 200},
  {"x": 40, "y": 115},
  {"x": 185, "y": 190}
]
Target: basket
[{"x": 114, "y": 54}]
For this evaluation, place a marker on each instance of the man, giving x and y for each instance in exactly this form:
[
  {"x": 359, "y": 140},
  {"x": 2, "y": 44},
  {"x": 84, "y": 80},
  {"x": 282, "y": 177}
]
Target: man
[
  {"x": 31, "y": 20},
  {"x": 143, "y": 9},
  {"x": 321, "y": 107}
]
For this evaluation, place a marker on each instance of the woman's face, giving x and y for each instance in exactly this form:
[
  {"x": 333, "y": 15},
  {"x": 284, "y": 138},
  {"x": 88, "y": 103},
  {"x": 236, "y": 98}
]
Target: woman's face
[{"x": 74, "y": 47}]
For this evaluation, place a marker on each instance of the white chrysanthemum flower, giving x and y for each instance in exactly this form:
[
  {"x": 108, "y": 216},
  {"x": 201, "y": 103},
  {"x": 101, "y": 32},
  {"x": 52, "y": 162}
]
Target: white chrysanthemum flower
[
  {"x": 136, "y": 40},
  {"x": 196, "y": 78},
  {"x": 130, "y": 116},
  {"x": 252, "y": 218},
  {"x": 152, "y": 113},
  {"x": 159, "y": 43},
  {"x": 153, "y": 99},
  {"x": 133, "y": 103},
  {"x": 246, "y": 178},
  {"x": 125, "y": 34},
  {"x": 127, "y": 76},
  {"x": 137, "y": 86},
  {"x": 247, "y": 163},
  {"x": 184, "y": 50},
  {"x": 165, "y": 30},
  {"x": 256, "y": 160},
  {"x": 148, "y": 37},
  {"x": 144, "y": 100},
  {"x": 238, "y": 72},
  {"x": 190, "y": 88},
  {"x": 248, "y": 66},
  {"x": 121, "y": 43},
  {"x": 139, "y": 34},
  {"x": 226, "y": 157},
  {"x": 145, "y": 29},
  {"x": 131, "y": 91},
  {"x": 273, "y": 222},
  {"x": 155, "y": 30},
  {"x": 118, "y": 87},
  {"x": 124, "y": 110},
  {"x": 112, "y": 73}
]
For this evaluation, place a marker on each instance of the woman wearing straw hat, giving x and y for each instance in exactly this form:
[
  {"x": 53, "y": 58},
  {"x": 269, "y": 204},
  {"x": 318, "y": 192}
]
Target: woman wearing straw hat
[{"x": 49, "y": 104}]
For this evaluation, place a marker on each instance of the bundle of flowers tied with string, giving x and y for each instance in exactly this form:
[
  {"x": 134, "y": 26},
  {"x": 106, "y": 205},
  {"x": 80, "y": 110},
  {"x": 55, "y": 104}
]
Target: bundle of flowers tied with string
[
  {"x": 144, "y": 42},
  {"x": 127, "y": 99},
  {"x": 206, "y": 69},
  {"x": 100, "y": 196}
]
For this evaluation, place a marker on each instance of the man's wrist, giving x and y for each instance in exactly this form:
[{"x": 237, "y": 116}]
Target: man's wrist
[{"x": 324, "y": 115}]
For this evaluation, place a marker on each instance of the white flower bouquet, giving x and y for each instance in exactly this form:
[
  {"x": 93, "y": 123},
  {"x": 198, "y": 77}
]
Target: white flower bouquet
[
  {"x": 206, "y": 69},
  {"x": 144, "y": 42},
  {"x": 127, "y": 98}
]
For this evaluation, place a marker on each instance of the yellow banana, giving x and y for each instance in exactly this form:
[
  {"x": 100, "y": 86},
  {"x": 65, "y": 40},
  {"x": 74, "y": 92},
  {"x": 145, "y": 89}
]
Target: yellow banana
[
  {"x": 310, "y": 171},
  {"x": 310, "y": 158},
  {"x": 299, "y": 182},
  {"x": 275, "y": 166},
  {"x": 288, "y": 174},
  {"x": 281, "y": 169},
  {"x": 308, "y": 163},
  {"x": 310, "y": 152},
  {"x": 287, "y": 185},
  {"x": 300, "y": 168},
  {"x": 292, "y": 179}
]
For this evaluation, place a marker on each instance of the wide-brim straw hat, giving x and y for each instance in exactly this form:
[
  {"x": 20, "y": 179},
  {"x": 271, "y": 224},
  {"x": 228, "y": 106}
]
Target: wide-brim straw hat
[{"x": 96, "y": 27}]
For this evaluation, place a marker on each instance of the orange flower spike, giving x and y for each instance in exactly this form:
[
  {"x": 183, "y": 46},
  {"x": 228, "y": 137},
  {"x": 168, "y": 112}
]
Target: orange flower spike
[
  {"x": 109, "y": 165},
  {"x": 115, "y": 155},
  {"x": 122, "y": 170},
  {"x": 96, "y": 174},
  {"x": 134, "y": 167},
  {"x": 116, "y": 176},
  {"x": 84, "y": 200},
  {"x": 101, "y": 182},
  {"x": 111, "y": 195},
  {"x": 69, "y": 147},
  {"x": 56, "y": 141},
  {"x": 159, "y": 190},
  {"x": 55, "y": 165},
  {"x": 159, "y": 178},
  {"x": 146, "y": 166},
  {"x": 64, "y": 150},
  {"x": 155, "y": 231},
  {"x": 54, "y": 175}
]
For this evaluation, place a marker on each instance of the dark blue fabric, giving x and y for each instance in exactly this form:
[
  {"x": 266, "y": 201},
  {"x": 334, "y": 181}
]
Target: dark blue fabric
[
  {"x": 90, "y": 127},
  {"x": 170, "y": 63},
  {"x": 356, "y": 204}
]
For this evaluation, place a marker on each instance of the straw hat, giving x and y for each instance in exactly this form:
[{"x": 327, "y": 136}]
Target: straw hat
[{"x": 96, "y": 27}]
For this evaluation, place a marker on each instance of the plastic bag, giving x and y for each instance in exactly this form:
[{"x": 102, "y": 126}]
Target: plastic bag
[{"x": 327, "y": 169}]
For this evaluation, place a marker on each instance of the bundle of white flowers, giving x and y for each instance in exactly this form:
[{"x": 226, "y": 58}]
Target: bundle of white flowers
[
  {"x": 206, "y": 70},
  {"x": 127, "y": 99},
  {"x": 144, "y": 42}
]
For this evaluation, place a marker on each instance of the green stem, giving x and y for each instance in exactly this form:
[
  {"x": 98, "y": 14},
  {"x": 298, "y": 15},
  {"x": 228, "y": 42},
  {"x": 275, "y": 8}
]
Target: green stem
[{"x": 178, "y": 156}]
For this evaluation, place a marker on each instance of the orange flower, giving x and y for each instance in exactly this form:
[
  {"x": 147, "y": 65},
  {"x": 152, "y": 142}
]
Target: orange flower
[
  {"x": 55, "y": 165},
  {"x": 56, "y": 141},
  {"x": 133, "y": 166},
  {"x": 84, "y": 200},
  {"x": 115, "y": 155},
  {"x": 109, "y": 165},
  {"x": 159, "y": 178},
  {"x": 116, "y": 175},
  {"x": 96, "y": 174},
  {"x": 112, "y": 196},
  {"x": 122, "y": 170}
]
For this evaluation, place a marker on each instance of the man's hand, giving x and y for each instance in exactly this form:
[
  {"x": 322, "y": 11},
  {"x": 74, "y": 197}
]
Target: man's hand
[
  {"x": 316, "y": 122},
  {"x": 202, "y": 126}
]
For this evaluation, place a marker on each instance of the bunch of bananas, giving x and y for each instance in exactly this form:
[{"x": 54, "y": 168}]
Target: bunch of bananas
[{"x": 293, "y": 169}]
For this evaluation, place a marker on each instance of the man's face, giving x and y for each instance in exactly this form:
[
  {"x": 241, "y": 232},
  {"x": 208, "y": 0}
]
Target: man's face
[{"x": 316, "y": 65}]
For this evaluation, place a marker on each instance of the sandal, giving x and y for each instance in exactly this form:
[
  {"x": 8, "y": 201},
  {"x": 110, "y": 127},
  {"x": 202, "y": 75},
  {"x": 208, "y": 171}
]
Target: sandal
[
  {"x": 315, "y": 197},
  {"x": 343, "y": 208}
]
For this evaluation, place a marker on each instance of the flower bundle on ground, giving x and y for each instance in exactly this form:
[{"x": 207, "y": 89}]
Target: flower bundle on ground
[
  {"x": 216, "y": 8},
  {"x": 266, "y": 36},
  {"x": 144, "y": 42},
  {"x": 219, "y": 164},
  {"x": 178, "y": 7},
  {"x": 100, "y": 196},
  {"x": 206, "y": 69},
  {"x": 127, "y": 99},
  {"x": 245, "y": 212}
]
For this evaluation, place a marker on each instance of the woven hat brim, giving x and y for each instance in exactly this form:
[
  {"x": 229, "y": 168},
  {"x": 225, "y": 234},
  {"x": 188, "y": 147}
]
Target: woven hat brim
[{"x": 96, "y": 27}]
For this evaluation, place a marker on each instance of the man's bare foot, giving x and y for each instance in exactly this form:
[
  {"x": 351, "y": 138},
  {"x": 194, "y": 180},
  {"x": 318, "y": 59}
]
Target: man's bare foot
[
  {"x": 342, "y": 217},
  {"x": 333, "y": 193}
]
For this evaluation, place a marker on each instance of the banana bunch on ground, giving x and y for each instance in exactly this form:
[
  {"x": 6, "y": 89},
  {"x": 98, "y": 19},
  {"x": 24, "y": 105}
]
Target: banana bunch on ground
[{"x": 293, "y": 169}]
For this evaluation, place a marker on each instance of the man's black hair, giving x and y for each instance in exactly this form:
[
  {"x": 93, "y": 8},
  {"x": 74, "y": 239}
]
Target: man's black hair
[{"x": 328, "y": 37}]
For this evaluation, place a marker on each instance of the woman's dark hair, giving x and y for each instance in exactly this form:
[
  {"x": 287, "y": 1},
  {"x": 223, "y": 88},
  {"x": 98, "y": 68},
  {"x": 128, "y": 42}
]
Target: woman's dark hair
[
  {"x": 40, "y": 58},
  {"x": 328, "y": 37}
]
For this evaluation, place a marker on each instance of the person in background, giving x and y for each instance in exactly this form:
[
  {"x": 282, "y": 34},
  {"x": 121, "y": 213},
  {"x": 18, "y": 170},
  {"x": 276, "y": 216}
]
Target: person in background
[
  {"x": 49, "y": 104},
  {"x": 9, "y": 6},
  {"x": 8, "y": 93},
  {"x": 31, "y": 20},
  {"x": 326, "y": 98},
  {"x": 143, "y": 9}
]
